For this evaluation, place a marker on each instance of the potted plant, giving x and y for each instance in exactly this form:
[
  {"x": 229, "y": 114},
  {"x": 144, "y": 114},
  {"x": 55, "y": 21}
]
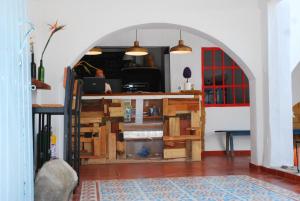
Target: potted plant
[{"x": 187, "y": 73}]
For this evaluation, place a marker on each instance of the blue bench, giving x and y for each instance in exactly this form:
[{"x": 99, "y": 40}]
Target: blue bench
[
  {"x": 231, "y": 133},
  {"x": 229, "y": 138}
]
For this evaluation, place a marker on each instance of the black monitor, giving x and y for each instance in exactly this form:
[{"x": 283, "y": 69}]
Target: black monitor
[
  {"x": 93, "y": 85},
  {"x": 115, "y": 85}
]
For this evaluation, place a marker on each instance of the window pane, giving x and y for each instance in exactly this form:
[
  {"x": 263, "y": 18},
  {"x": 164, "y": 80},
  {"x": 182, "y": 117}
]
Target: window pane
[
  {"x": 218, "y": 76},
  {"x": 218, "y": 58},
  {"x": 207, "y": 58},
  {"x": 209, "y": 96},
  {"x": 219, "y": 96},
  {"x": 228, "y": 76},
  {"x": 228, "y": 96},
  {"x": 239, "y": 97},
  {"x": 246, "y": 81},
  {"x": 227, "y": 60},
  {"x": 238, "y": 73},
  {"x": 247, "y": 95},
  {"x": 208, "y": 77}
]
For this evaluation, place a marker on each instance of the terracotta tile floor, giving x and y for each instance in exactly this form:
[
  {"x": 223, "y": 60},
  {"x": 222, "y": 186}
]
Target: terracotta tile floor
[{"x": 209, "y": 166}]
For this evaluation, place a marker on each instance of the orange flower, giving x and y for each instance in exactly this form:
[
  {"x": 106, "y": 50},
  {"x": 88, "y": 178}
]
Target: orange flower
[{"x": 53, "y": 28}]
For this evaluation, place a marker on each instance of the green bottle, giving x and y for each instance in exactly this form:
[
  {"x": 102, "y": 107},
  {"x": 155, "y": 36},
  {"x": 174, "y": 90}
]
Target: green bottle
[{"x": 41, "y": 72}]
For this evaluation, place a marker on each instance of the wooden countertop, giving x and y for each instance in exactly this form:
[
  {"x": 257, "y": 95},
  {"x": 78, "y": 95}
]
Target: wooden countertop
[
  {"x": 142, "y": 95},
  {"x": 40, "y": 85}
]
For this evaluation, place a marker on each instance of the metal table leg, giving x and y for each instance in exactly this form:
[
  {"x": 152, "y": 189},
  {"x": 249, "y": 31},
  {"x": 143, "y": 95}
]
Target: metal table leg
[
  {"x": 227, "y": 143},
  {"x": 231, "y": 145}
]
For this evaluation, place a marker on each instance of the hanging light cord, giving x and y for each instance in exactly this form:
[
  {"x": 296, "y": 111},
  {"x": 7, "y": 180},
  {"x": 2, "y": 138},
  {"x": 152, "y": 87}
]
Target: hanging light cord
[
  {"x": 136, "y": 35},
  {"x": 180, "y": 34}
]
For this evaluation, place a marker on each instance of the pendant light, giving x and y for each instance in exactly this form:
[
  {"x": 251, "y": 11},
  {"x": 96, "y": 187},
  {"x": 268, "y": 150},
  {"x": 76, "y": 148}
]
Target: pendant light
[
  {"x": 136, "y": 50},
  {"x": 94, "y": 51},
  {"x": 181, "y": 48}
]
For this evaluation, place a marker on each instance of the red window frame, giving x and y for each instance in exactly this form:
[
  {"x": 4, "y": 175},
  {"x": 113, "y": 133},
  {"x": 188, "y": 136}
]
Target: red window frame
[{"x": 233, "y": 86}]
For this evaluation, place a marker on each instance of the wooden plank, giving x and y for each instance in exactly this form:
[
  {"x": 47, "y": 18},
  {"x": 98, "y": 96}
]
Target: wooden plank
[
  {"x": 120, "y": 146},
  {"x": 86, "y": 140},
  {"x": 87, "y": 130},
  {"x": 174, "y": 126},
  {"x": 86, "y": 156},
  {"x": 105, "y": 109},
  {"x": 196, "y": 150},
  {"x": 296, "y": 125},
  {"x": 174, "y": 153},
  {"x": 181, "y": 138},
  {"x": 40, "y": 84},
  {"x": 165, "y": 107},
  {"x": 121, "y": 126},
  {"x": 116, "y": 112},
  {"x": 195, "y": 119},
  {"x": 89, "y": 120},
  {"x": 108, "y": 127},
  {"x": 112, "y": 146},
  {"x": 187, "y": 101},
  {"x": 91, "y": 114},
  {"x": 103, "y": 141},
  {"x": 116, "y": 101},
  {"x": 93, "y": 161},
  {"x": 97, "y": 151}
]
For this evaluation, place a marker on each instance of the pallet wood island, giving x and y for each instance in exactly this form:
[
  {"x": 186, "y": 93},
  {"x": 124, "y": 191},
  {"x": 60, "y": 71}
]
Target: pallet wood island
[{"x": 138, "y": 127}]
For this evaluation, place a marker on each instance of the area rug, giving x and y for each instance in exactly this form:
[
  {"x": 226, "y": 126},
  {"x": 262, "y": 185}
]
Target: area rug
[{"x": 208, "y": 188}]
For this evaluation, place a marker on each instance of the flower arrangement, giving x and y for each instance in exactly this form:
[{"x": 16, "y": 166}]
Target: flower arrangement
[
  {"x": 41, "y": 70},
  {"x": 53, "y": 28}
]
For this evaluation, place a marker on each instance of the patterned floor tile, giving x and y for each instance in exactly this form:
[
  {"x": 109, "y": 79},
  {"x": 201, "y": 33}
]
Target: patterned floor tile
[{"x": 211, "y": 188}]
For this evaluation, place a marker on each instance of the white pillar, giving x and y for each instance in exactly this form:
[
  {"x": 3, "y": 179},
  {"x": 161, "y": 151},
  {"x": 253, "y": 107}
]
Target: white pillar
[
  {"x": 278, "y": 142},
  {"x": 16, "y": 156}
]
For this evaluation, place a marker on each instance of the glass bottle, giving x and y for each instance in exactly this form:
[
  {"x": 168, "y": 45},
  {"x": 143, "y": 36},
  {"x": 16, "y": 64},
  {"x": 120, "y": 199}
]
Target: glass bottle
[
  {"x": 33, "y": 67},
  {"x": 41, "y": 72}
]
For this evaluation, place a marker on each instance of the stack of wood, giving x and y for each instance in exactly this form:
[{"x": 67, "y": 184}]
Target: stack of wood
[
  {"x": 97, "y": 143},
  {"x": 184, "y": 125}
]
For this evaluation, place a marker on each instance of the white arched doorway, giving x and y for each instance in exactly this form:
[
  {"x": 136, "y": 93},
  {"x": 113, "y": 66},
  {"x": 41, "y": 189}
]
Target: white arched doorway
[{"x": 127, "y": 35}]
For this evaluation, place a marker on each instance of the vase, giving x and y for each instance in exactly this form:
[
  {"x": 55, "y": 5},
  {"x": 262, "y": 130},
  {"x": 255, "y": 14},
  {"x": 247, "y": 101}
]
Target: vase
[
  {"x": 41, "y": 72},
  {"x": 187, "y": 86}
]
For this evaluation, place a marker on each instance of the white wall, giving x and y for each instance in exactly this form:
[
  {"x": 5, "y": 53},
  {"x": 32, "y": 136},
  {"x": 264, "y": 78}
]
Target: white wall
[
  {"x": 233, "y": 25},
  {"x": 279, "y": 139},
  {"x": 295, "y": 49},
  {"x": 217, "y": 118},
  {"x": 296, "y": 84},
  {"x": 294, "y": 33}
]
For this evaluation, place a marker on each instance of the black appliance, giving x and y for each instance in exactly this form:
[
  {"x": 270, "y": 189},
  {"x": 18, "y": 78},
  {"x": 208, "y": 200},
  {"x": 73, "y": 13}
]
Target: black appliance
[{"x": 141, "y": 79}]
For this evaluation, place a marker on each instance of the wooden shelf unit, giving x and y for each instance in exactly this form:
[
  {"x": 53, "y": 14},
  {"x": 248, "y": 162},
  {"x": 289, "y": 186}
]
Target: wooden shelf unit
[{"x": 180, "y": 116}]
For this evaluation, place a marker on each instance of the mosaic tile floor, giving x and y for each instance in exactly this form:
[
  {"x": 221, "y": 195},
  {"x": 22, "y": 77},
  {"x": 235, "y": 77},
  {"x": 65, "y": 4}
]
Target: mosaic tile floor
[{"x": 209, "y": 188}]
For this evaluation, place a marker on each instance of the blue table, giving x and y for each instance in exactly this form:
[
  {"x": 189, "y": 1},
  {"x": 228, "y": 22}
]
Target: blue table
[
  {"x": 231, "y": 133},
  {"x": 229, "y": 138}
]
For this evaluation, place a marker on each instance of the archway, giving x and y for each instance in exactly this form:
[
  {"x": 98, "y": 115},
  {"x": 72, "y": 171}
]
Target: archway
[{"x": 195, "y": 32}]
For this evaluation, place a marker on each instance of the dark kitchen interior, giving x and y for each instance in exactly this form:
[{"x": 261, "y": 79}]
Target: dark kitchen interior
[{"x": 131, "y": 73}]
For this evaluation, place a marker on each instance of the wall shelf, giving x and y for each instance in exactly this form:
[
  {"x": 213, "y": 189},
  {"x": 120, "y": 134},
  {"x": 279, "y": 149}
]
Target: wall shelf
[{"x": 40, "y": 85}]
